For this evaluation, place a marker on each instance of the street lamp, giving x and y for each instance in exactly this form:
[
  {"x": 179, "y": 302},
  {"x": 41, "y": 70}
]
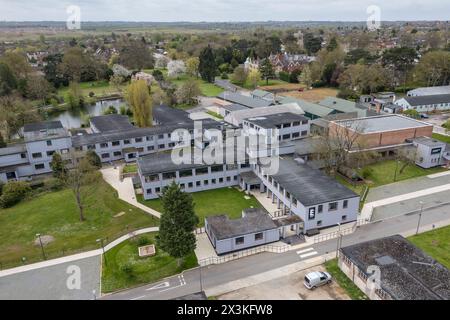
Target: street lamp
[
  {"x": 396, "y": 170},
  {"x": 420, "y": 216},
  {"x": 42, "y": 246},
  {"x": 103, "y": 248},
  {"x": 201, "y": 278},
  {"x": 338, "y": 239}
]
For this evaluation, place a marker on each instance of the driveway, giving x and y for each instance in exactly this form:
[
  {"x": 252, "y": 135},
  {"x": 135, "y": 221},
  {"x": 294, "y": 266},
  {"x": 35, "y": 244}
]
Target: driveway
[{"x": 289, "y": 287}]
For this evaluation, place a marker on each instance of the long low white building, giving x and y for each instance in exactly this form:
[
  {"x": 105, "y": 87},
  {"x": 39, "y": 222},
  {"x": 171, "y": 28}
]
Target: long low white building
[{"x": 440, "y": 102}]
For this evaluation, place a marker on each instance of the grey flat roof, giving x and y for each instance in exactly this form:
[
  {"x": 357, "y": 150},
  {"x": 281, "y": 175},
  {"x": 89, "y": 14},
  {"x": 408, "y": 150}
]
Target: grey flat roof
[
  {"x": 112, "y": 122},
  {"x": 44, "y": 131},
  {"x": 250, "y": 178},
  {"x": 272, "y": 120},
  {"x": 234, "y": 107},
  {"x": 429, "y": 142},
  {"x": 165, "y": 115},
  {"x": 309, "y": 186},
  {"x": 382, "y": 123},
  {"x": 426, "y": 100},
  {"x": 138, "y": 132},
  {"x": 407, "y": 273},
  {"x": 162, "y": 162},
  {"x": 254, "y": 221},
  {"x": 46, "y": 125},
  {"x": 13, "y": 149},
  {"x": 243, "y": 100}
]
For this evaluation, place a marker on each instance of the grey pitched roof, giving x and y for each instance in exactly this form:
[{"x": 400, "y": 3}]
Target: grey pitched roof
[
  {"x": 430, "y": 90},
  {"x": 112, "y": 122},
  {"x": 338, "y": 104},
  {"x": 234, "y": 107},
  {"x": 407, "y": 272},
  {"x": 248, "y": 102},
  {"x": 165, "y": 115},
  {"x": 38, "y": 126},
  {"x": 309, "y": 186},
  {"x": 427, "y": 100},
  {"x": 272, "y": 120},
  {"x": 254, "y": 221},
  {"x": 309, "y": 108}
]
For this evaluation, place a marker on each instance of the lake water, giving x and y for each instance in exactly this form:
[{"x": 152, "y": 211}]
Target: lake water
[{"x": 72, "y": 119}]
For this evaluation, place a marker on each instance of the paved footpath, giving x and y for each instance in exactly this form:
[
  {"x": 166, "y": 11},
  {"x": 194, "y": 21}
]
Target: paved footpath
[{"x": 125, "y": 189}]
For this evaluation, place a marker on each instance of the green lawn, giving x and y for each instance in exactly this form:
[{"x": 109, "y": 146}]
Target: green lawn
[
  {"x": 441, "y": 137},
  {"x": 140, "y": 270},
  {"x": 384, "y": 172},
  {"x": 436, "y": 243},
  {"x": 214, "y": 114},
  {"x": 56, "y": 214},
  {"x": 263, "y": 83},
  {"x": 100, "y": 88},
  {"x": 207, "y": 89},
  {"x": 344, "y": 282},
  {"x": 228, "y": 201},
  {"x": 130, "y": 168}
]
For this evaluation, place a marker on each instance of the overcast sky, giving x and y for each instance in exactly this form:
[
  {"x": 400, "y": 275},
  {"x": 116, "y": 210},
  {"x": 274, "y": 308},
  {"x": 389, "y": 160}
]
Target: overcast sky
[{"x": 223, "y": 10}]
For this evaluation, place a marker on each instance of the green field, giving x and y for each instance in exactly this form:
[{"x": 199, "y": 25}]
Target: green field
[
  {"x": 56, "y": 214},
  {"x": 384, "y": 172},
  {"x": 228, "y": 201},
  {"x": 139, "y": 270},
  {"x": 207, "y": 89},
  {"x": 130, "y": 168},
  {"x": 436, "y": 243},
  {"x": 99, "y": 88},
  {"x": 440, "y": 137},
  {"x": 344, "y": 282}
]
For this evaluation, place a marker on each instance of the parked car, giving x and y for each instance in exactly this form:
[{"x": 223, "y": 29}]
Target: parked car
[
  {"x": 424, "y": 116},
  {"x": 317, "y": 279}
]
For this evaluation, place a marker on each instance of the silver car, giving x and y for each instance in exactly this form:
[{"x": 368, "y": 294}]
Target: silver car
[{"x": 314, "y": 280}]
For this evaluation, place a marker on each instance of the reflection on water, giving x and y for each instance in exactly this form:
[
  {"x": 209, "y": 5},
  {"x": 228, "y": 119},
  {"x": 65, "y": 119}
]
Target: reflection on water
[{"x": 72, "y": 119}]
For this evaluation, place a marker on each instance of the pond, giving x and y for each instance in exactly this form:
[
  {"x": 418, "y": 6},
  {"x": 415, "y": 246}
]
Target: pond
[{"x": 72, "y": 119}]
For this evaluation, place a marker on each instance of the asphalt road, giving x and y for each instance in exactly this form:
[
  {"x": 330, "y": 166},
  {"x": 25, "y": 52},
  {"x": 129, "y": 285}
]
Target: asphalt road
[
  {"x": 74, "y": 280},
  {"x": 216, "y": 275}
]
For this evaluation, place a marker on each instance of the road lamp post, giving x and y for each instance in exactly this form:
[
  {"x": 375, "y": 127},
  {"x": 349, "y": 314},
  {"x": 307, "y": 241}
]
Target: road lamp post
[
  {"x": 396, "y": 170},
  {"x": 103, "y": 248},
  {"x": 42, "y": 246},
  {"x": 338, "y": 239},
  {"x": 201, "y": 278},
  {"x": 420, "y": 217}
]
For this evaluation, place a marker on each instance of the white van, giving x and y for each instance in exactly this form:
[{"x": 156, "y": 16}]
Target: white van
[{"x": 314, "y": 280}]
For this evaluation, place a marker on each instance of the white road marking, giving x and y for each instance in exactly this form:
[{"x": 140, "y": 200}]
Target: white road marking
[
  {"x": 138, "y": 298},
  {"x": 304, "y": 251},
  {"x": 308, "y": 254},
  {"x": 159, "y": 286}
]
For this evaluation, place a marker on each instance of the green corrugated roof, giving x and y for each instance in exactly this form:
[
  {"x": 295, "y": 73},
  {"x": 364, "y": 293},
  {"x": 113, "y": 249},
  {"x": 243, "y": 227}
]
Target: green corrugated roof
[{"x": 311, "y": 108}]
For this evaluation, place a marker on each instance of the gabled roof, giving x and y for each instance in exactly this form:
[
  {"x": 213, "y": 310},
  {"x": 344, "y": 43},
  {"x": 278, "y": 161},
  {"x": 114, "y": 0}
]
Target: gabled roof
[
  {"x": 341, "y": 105},
  {"x": 38, "y": 126},
  {"x": 248, "y": 102},
  {"x": 310, "y": 108},
  {"x": 429, "y": 91},
  {"x": 427, "y": 100}
]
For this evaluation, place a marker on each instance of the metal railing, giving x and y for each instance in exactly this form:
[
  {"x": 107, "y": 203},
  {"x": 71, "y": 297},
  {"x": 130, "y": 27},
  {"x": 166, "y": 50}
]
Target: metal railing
[
  {"x": 333, "y": 235},
  {"x": 242, "y": 254}
]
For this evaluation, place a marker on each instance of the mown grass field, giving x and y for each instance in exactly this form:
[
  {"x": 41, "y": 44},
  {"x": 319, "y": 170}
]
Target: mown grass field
[
  {"x": 125, "y": 269},
  {"x": 436, "y": 243},
  {"x": 56, "y": 214},
  {"x": 230, "y": 201}
]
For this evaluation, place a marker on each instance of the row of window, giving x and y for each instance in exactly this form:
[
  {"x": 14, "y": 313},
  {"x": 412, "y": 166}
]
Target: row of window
[
  {"x": 198, "y": 184},
  {"x": 38, "y": 155},
  {"x": 241, "y": 240},
  {"x": 294, "y": 135},
  {"x": 193, "y": 172}
]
